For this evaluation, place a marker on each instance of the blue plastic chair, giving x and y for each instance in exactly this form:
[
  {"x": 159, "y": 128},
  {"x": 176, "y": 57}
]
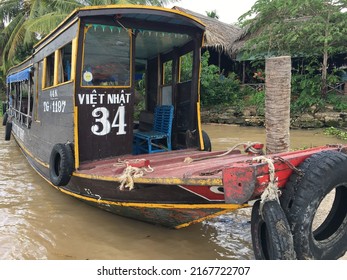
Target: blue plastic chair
[{"x": 159, "y": 138}]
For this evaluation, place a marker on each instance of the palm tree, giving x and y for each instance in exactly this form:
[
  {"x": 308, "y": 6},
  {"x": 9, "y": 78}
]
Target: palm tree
[
  {"x": 26, "y": 21},
  {"x": 277, "y": 103}
]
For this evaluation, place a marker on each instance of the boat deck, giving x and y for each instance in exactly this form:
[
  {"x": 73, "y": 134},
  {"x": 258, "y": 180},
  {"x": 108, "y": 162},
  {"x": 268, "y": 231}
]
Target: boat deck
[
  {"x": 172, "y": 168},
  {"x": 167, "y": 168}
]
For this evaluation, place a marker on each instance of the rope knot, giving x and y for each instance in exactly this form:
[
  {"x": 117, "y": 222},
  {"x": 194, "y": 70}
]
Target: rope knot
[
  {"x": 133, "y": 169},
  {"x": 271, "y": 192}
]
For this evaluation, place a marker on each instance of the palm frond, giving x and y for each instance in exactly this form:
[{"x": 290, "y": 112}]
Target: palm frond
[
  {"x": 12, "y": 44},
  {"x": 7, "y": 32},
  {"x": 65, "y": 6},
  {"x": 44, "y": 24},
  {"x": 16, "y": 39},
  {"x": 9, "y": 9},
  {"x": 37, "y": 8}
]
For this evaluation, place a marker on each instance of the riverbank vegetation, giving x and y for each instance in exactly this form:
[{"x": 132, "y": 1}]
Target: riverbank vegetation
[
  {"x": 338, "y": 133},
  {"x": 227, "y": 91}
]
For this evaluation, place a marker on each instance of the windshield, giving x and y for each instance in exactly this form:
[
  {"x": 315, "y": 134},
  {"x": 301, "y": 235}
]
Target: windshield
[{"x": 106, "y": 59}]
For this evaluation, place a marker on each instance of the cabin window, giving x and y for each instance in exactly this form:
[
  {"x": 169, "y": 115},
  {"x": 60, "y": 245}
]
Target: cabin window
[
  {"x": 64, "y": 63},
  {"x": 166, "y": 90},
  {"x": 49, "y": 71},
  {"x": 167, "y": 71},
  {"x": 21, "y": 98},
  {"x": 106, "y": 60},
  {"x": 186, "y": 67}
]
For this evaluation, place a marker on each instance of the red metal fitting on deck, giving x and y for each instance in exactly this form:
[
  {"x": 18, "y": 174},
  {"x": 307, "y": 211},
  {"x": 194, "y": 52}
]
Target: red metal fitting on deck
[{"x": 255, "y": 149}]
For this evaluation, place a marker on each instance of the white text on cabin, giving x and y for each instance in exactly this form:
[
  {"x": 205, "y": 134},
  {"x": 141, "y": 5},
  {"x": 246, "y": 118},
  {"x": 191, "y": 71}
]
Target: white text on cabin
[{"x": 102, "y": 98}]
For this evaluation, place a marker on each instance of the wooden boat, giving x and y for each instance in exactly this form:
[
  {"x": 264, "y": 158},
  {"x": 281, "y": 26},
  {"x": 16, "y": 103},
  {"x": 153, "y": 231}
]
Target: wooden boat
[{"x": 72, "y": 107}]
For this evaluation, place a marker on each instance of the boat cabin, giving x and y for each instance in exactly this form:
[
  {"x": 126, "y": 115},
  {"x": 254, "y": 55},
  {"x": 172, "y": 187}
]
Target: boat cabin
[{"x": 111, "y": 80}]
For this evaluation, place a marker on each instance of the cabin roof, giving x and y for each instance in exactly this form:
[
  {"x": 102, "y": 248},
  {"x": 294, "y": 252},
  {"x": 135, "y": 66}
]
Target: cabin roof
[{"x": 143, "y": 13}]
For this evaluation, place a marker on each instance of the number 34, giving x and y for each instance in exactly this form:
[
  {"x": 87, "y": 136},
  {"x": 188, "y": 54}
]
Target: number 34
[{"x": 103, "y": 125}]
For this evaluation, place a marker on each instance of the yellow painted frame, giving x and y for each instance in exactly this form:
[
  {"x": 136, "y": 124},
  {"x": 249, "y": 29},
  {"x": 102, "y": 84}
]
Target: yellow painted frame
[
  {"x": 44, "y": 69},
  {"x": 57, "y": 55}
]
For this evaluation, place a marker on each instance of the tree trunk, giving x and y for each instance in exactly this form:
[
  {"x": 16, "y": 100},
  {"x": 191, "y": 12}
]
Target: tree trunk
[
  {"x": 277, "y": 103},
  {"x": 324, "y": 74},
  {"x": 325, "y": 57}
]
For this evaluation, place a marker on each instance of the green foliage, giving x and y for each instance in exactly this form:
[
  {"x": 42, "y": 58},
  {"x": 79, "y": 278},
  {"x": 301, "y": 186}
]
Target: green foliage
[
  {"x": 168, "y": 72},
  {"x": 340, "y": 134},
  {"x": 215, "y": 87},
  {"x": 257, "y": 99},
  {"x": 186, "y": 67},
  {"x": 338, "y": 102},
  {"x": 212, "y": 14},
  {"x": 297, "y": 28},
  {"x": 306, "y": 89}
]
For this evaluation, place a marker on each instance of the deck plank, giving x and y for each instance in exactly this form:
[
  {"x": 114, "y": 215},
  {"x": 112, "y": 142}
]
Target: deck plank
[{"x": 169, "y": 164}]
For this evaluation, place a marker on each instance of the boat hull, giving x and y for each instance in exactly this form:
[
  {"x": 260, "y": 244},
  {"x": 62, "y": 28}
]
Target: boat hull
[{"x": 173, "y": 206}]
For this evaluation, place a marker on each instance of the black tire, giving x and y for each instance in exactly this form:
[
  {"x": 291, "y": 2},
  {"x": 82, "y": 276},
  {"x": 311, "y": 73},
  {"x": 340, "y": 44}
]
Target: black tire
[
  {"x": 4, "y": 119},
  {"x": 271, "y": 235},
  {"x": 289, "y": 192},
  {"x": 324, "y": 173},
  {"x": 4, "y": 108},
  {"x": 8, "y": 130},
  {"x": 207, "y": 142},
  {"x": 61, "y": 164}
]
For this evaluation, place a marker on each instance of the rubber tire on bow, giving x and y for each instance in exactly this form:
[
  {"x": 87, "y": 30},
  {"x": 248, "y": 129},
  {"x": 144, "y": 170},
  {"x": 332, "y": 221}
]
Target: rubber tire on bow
[
  {"x": 61, "y": 164},
  {"x": 8, "y": 130},
  {"x": 302, "y": 195},
  {"x": 271, "y": 235},
  {"x": 4, "y": 119}
]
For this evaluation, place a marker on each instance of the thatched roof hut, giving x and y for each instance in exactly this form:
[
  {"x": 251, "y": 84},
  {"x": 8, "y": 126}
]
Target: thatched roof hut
[{"x": 219, "y": 36}]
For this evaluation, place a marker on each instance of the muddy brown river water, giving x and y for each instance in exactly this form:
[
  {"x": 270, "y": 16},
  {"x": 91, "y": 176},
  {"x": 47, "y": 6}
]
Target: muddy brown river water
[{"x": 39, "y": 222}]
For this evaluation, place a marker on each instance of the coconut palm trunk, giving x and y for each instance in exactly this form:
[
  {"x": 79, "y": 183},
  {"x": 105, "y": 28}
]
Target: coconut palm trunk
[{"x": 277, "y": 104}]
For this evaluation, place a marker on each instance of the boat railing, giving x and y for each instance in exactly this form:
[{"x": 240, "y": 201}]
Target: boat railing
[{"x": 22, "y": 118}]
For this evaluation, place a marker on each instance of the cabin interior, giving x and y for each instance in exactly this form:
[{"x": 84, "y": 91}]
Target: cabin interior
[{"x": 167, "y": 66}]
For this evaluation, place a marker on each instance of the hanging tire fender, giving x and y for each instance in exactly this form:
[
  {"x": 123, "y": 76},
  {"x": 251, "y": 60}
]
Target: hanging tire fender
[
  {"x": 4, "y": 108},
  {"x": 8, "y": 130},
  {"x": 207, "y": 141},
  {"x": 270, "y": 231},
  {"x": 61, "y": 164},
  {"x": 4, "y": 119}
]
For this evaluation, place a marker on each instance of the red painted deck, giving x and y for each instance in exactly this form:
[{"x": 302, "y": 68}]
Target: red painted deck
[
  {"x": 172, "y": 165},
  {"x": 241, "y": 176},
  {"x": 168, "y": 165}
]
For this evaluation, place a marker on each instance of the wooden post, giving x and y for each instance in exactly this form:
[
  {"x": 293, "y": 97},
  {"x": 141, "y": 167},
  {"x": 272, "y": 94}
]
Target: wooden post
[{"x": 277, "y": 103}]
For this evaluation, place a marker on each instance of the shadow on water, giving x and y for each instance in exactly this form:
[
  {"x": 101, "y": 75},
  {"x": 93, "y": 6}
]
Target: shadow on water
[{"x": 39, "y": 222}]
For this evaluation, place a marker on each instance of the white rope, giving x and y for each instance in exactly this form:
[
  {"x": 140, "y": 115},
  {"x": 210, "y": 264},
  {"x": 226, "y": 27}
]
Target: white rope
[
  {"x": 127, "y": 177},
  {"x": 271, "y": 192},
  {"x": 249, "y": 147},
  {"x": 131, "y": 172}
]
